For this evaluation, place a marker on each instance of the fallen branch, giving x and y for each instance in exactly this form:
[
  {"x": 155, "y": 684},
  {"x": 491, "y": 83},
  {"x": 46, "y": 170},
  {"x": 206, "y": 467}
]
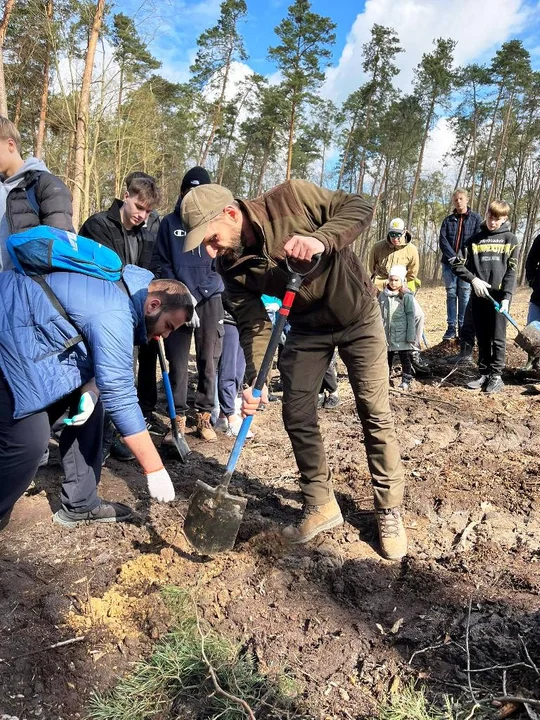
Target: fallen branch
[
  {"x": 469, "y": 654},
  {"x": 529, "y": 658},
  {"x": 452, "y": 371},
  {"x": 45, "y": 649},
  {"x": 415, "y": 396},
  {"x": 214, "y": 677}
]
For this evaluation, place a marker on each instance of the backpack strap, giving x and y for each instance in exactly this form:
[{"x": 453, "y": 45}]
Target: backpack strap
[{"x": 40, "y": 280}]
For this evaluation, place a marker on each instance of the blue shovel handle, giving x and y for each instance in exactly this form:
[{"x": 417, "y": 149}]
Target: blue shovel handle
[{"x": 503, "y": 312}]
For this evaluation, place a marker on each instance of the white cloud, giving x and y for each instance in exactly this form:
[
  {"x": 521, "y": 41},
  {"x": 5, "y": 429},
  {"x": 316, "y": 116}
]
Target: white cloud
[
  {"x": 477, "y": 25},
  {"x": 439, "y": 144}
]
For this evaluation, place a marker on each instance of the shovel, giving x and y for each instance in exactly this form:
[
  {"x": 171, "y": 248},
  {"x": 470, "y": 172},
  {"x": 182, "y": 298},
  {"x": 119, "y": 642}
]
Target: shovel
[
  {"x": 529, "y": 338},
  {"x": 213, "y": 517},
  {"x": 179, "y": 440}
]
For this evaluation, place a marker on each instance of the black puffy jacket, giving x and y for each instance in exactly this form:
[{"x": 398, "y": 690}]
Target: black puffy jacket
[{"x": 52, "y": 199}]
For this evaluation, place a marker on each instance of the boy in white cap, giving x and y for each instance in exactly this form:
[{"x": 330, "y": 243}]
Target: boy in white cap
[{"x": 397, "y": 310}]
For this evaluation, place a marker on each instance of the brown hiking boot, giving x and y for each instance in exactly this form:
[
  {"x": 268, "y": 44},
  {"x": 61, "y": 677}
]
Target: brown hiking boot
[
  {"x": 204, "y": 428},
  {"x": 392, "y": 535},
  {"x": 315, "y": 519},
  {"x": 181, "y": 425}
]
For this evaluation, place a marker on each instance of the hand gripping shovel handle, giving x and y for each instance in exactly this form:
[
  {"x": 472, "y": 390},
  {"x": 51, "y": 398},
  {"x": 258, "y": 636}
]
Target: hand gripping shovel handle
[
  {"x": 294, "y": 281},
  {"x": 179, "y": 440},
  {"x": 503, "y": 312}
]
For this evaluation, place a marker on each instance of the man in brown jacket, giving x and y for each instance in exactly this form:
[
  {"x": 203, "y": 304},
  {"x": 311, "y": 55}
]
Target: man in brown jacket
[{"x": 336, "y": 307}]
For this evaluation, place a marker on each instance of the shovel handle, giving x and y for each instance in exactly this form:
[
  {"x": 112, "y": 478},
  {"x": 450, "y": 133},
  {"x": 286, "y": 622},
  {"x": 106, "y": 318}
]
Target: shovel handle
[
  {"x": 503, "y": 312},
  {"x": 294, "y": 282},
  {"x": 166, "y": 380}
]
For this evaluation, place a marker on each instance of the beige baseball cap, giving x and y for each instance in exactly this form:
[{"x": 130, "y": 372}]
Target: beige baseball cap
[{"x": 198, "y": 207}]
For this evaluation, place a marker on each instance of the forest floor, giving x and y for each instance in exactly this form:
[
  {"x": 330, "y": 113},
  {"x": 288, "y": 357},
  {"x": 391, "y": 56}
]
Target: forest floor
[{"x": 347, "y": 626}]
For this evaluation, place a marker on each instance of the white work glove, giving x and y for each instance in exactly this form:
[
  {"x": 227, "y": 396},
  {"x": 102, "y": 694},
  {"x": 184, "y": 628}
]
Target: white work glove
[
  {"x": 480, "y": 287},
  {"x": 87, "y": 403},
  {"x": 160, "y": 486},
  {"x": 505, "y": 306},
  {"x": 195, "y": 321}
]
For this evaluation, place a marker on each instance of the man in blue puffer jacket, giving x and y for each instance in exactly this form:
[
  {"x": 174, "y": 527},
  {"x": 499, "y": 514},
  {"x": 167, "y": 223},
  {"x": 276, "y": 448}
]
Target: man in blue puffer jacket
[
  {"x": 197, "y": 270},
  {"x": 44, "y": 367}
]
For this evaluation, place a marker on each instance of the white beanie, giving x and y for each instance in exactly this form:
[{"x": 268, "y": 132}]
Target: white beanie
[{"x": 399, "y": 271}]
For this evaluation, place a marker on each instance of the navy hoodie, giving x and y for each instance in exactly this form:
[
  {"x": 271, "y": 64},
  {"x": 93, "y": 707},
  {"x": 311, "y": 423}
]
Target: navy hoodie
[{"x": 196, "y": 268}]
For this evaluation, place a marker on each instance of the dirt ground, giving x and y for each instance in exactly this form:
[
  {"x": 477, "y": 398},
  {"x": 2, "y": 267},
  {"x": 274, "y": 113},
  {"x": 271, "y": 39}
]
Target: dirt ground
[{"x": 345, "y": 624}]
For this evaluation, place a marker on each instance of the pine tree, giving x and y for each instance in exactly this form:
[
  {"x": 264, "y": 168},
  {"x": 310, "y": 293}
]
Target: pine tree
[{"x": 305, "y": 39}]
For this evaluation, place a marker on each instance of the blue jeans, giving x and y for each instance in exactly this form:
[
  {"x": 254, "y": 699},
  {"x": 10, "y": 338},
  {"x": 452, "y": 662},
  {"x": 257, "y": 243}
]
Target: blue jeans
[
  {"x": 457, "y": 296},
  {"x": 534, "y": 313}
]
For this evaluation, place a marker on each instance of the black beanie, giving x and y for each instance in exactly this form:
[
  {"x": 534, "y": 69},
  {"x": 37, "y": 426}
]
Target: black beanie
[{"x": 193, "y": 178}]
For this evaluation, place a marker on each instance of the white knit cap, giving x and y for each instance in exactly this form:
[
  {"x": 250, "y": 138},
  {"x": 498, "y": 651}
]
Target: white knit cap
[{"x": 399, "y": 271}]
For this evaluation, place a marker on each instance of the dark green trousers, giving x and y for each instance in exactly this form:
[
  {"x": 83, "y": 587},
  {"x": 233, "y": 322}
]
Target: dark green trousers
[{"x": 305, "y": 358}]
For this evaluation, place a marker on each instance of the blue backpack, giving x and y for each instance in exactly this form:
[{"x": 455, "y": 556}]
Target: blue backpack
[{"x": 45, "y": 249}]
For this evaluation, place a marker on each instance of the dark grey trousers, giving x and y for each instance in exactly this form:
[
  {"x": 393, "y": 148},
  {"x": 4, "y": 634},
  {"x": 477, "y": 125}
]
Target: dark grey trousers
[{"x": 23, "y": 442}]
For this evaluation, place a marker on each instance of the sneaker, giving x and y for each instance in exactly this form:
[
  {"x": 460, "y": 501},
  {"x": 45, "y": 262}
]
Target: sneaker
[
  {"x": 154, "y": 425},
  {"x": 495, "y": 384},
  {"x": 120, "y": 451},
  {"x": 450, "y": 333},
  {"x": 392, "y": 535},
  {"x": 222, "y": 424},
  {"x": 181, "y": 425},
  {"x": 44, "y": 461},
  {"x": 315, "y": 519},
  {"x": 331, "y": 401},
  {"x": 531, "y": 364},
  {"x": 204, "y": 428},
  {"x": 418, "y": 362},
  {"x": 106, "y": 512},
  {"x": 479, "y": 383},
  {"x": 234, "y": 424},
  {"x": 320, "y": 400}
]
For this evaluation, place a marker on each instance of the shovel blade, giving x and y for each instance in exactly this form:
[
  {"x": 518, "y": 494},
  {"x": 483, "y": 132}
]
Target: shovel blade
[
  {"x": 529, "y": 339},
  {"x": 213, "y": 519},
  {"x": 180, "y": 443}
]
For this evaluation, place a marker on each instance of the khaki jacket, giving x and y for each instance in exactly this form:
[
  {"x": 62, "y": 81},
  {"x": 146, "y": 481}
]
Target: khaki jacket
[
  {"x": 384, "y": 255},
  {"x": 334, "y": 294}
]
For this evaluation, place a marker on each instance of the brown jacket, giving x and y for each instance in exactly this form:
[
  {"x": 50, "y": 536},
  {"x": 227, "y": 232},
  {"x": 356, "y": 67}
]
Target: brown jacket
[
  {"x": 384, "y": 256},
  {"x": 333, "y": 295}
]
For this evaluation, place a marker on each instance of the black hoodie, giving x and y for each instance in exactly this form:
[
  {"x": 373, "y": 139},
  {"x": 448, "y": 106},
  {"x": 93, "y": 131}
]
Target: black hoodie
[{"x": 490, "y": 256}]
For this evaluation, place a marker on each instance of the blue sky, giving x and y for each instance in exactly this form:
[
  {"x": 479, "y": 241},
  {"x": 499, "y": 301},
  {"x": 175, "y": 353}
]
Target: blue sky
[{"x": 479, "y": 27}]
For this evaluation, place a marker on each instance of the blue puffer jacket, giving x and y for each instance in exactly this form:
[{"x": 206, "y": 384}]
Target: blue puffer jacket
[
  {"x": 34, "y": 361},
  {"x": 196, "y": 269}
]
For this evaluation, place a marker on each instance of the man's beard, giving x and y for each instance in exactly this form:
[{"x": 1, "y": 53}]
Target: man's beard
[
  {"x": 235, "y": 251},
  {"x": 151, "y": 321}
]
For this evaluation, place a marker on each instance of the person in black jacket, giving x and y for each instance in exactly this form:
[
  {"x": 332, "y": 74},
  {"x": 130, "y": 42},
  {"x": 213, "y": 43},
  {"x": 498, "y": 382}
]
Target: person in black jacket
[
  {"x": 196, "y": 270},
  {"x": 532, "y": 275},
  {"x": 123, "y": 228},
  {"x": 490, "y": 267},
  {"x": 456, "y": 229},
  {"x": 29, "y": 194}
]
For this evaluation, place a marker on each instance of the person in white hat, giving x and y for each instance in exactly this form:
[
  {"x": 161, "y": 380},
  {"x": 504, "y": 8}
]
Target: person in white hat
[
  {"x": 397, "y": 249},
  {"x": 397, "y": 310}
]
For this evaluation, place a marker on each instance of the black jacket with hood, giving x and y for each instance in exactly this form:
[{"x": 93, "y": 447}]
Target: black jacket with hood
[
  {"x": 107, "y": 228},
  {"x": 491, "y": 256},
  {"x": 196, "y": 268},
  {"x": 456, "y": 230}
]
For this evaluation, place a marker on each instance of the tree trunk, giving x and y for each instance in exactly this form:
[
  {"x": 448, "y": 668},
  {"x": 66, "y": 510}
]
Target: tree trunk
[
  {"x": 419, "y": 166},
  {"x": 81, "y": 135},
  {"x": 18, "y": 107},
  {"x": 506, "y": 122},
  {"x": 264, "y": 164},
  {"x": 118, "y": 142},
  {"x": 291, "y": 138},
  {"x": 360, "y": 186},
  {"x": 346, "y": 150},
  {"x": 40, "y": 135},
  {"x": 217, "y": 113},
  {"x": 484, "y": 169},
  {"x": 8, "y": 7}
]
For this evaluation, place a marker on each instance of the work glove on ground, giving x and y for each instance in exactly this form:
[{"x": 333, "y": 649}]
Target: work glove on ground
[
  {"x": 480, "y": 287},
  {"x": 505, "y": 306},
  {"x": 160, "y": 486},
  {"x": 87, "y": 403}
]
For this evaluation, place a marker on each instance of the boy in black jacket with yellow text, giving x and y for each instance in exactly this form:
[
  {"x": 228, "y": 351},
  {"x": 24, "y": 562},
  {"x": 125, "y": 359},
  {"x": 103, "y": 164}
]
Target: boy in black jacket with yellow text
[{"x": 490, "y": 266}]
